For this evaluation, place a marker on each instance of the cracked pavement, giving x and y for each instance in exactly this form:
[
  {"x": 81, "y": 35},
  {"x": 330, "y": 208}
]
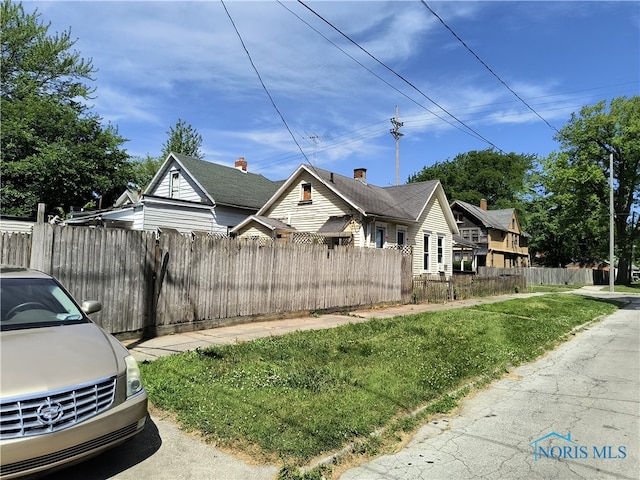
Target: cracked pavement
[{"x": 589, "y": 387}]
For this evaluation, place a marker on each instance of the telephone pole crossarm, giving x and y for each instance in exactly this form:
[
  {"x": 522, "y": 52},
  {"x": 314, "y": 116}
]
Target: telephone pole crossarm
[{"x": 395, "y": 131}]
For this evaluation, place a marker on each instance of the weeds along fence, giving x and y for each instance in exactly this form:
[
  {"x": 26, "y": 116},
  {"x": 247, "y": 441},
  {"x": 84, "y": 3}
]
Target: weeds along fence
[
  {"x": 173, "y": 282},
  {"x": 543, "y": 276},
  {"x": 436, "y": 289}
]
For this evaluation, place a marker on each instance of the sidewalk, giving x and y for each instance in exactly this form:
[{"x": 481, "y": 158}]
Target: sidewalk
[{"x": 153, "y": 348}]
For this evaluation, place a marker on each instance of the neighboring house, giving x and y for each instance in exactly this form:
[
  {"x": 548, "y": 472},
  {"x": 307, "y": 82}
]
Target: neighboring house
[
  {"x": 348, "y": 211},
  {"x": 187, "y": 195},
  {"x": 497, "y": 233},
  {"x": 465, "y": 255},
  {"x": 14, "y": 224}
]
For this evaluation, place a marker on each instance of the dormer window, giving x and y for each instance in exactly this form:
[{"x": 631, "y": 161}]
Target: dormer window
[
  {"x": 174, "y": 184},
  {"x": 305, "y": 193}
]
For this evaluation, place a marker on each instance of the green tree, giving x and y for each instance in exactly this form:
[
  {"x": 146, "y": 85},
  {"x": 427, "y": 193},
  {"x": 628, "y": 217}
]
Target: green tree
[
  {"x": 144, "y": 170},
  {"x": 576, "y": 188},
  {"x": 184, "y": 139},
  {"x": 54, "y": 150},
  {"x": 501, "y": 179}
]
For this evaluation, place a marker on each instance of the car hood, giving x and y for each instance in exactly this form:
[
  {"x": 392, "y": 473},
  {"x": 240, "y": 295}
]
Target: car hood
[{"x": 38, "y": 360}]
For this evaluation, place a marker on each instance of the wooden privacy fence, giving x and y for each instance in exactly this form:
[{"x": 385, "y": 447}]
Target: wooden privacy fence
[
  {"x": 15, "y": 249},
  {"x": 177, "y": 282},
  {"x": 543, "y": 276},
  {"x": 435, "y": 289}
]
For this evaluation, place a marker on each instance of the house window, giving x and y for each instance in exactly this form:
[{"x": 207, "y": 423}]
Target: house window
[
  {"x": 174, "y": 184},
  {"x": 380, "y": 237},
  {"x": 402, "y": 237},
  {"x": 440, "y": 249},
  {"x": 426, "y": 246},
  {"x": 472, "y": 234},
  {"x": 305, "y": 192}
]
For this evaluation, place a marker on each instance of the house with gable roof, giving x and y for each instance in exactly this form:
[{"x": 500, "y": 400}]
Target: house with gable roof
[
  {"x": 188, "y": 195},
  {"x": 350, "y": 211},
  {"x": 497, "y": 233}
]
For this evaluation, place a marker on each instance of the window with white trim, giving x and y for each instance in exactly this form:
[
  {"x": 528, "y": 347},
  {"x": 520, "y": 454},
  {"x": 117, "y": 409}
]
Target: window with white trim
[
  {"x": 380, "y": 237},
  {"x": 401, "y": 236},
  {"x": 174, "y": 184},
  {"x": 305, "y": 193},
  {"x": 440, "y": 249},
  {"x": 426, "y": 247}
]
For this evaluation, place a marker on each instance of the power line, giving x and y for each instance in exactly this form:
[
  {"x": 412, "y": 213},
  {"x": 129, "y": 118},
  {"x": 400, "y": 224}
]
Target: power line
[
  {"x": 374, "y": 73},
  {"x": 264, "y": 87},
  {"x": 398, "y": 75},
  {"x": 487, "y": 66}
]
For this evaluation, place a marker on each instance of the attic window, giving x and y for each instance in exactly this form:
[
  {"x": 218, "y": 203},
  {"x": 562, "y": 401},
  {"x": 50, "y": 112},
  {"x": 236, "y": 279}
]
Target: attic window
[
  {"x": 174, "y": 184},
  {"x": 305, "y": 193}
]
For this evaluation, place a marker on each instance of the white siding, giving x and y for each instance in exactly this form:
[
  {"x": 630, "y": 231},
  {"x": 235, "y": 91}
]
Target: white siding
[
  {"x": 434, "y": 222},
  {"x": 181, "y": 218},
  {"x": 18, "y": 226},
  {"x": 229, "y": 216},
  {"x": 188, "y": 189}
]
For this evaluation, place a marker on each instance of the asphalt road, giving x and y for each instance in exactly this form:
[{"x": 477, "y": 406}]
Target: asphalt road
[
  {"x": 584, "y": 397},
  {"x": 585, "y": 394}
]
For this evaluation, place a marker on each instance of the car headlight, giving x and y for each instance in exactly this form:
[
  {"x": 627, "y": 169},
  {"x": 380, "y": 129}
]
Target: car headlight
[{"x": 134, "y": 381}]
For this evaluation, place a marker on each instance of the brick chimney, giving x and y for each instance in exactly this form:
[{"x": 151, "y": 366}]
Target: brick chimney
[
  {"x": 483, "y": 204},
  {"x": 241, "y": 164},
  {"x": 360, "y": 174}
]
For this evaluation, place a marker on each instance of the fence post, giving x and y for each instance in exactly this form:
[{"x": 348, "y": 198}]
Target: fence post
[{"x": 42, "y": 247}]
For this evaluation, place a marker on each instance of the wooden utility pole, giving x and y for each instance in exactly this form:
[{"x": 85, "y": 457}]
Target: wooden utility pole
[{"x": 395, "y": 131}]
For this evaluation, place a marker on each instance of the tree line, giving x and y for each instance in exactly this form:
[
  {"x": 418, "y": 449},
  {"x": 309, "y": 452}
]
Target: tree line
[{"x": 57, "y": 151}]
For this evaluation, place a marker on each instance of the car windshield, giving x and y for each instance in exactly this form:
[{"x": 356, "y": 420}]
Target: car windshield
[{"x": 32, "y": 303}]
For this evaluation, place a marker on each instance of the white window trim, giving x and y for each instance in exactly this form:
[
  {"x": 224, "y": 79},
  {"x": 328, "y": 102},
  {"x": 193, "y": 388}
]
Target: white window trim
[
  {"x": 429, "y": 250},
  {"x": 302, "y": 186},
  {"x": 380, "y": 226},
  {"x": 404, "y": 230},
  {"x": 174, "y": 184},
  {"x": 441, "y": 261}
]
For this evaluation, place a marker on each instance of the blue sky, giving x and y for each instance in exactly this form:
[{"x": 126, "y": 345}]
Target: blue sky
[{"x": 166, "y": 60}]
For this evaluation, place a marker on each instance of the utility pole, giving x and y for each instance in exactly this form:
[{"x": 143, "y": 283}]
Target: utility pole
[
  {"x": 612, "y": 215},
  {"x": 395, "y": 131}
]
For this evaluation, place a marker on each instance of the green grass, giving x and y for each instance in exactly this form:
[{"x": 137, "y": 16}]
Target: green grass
[
  {"x": 552, "y": 288},
  {"x": 295, "y": 397},
  {"x": 633, "y": 288}
]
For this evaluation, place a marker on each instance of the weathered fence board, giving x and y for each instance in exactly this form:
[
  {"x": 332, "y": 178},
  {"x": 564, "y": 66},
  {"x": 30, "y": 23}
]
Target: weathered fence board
[
  {"x": 15, "y": 249},
  {"x": 543, "y": 276},
  {"x": 173, "y": 282}
]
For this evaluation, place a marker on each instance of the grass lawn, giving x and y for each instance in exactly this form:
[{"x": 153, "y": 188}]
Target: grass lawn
[
  {"x": 552, "y": 288},
  {"x": 633, "y": 288},
  {"x": 292, "y": 398}
]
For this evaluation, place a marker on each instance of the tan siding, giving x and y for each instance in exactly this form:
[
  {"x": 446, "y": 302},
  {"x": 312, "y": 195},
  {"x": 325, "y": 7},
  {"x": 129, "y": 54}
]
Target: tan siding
[
  {"x": 308, "y": 217},
  {"x": 434, "y": 221},
  {"x": 256, "y": 230}
]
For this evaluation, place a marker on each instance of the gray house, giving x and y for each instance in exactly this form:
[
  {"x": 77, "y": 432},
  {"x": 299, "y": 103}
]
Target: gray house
[{"x": 187, "y": 195}]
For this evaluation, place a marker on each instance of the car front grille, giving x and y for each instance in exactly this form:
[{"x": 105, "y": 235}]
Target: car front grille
[
  {"x": 68, "y": 453},
  {"x": 41, "y": 414}
]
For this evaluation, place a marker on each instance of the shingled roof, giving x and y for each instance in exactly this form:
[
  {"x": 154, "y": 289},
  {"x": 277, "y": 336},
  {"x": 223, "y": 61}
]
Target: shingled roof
[
  {"x": 229, "y": 186},
  {"x": 403, "y": 202},
  {"x": 498, "y": 219}
]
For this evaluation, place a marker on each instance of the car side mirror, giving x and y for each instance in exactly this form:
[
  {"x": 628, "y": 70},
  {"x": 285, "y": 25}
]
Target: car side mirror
[{"x": 91, "y": 306}]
